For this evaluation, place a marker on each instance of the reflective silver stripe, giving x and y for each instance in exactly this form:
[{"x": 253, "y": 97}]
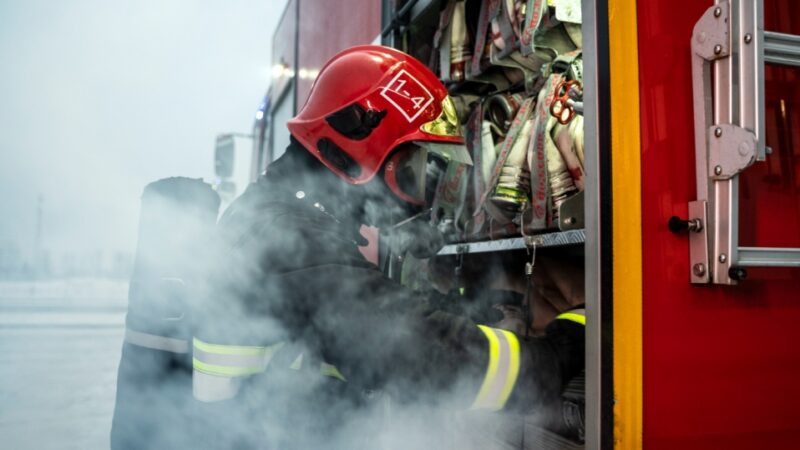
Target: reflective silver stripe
[
  {"x": 231, "y": 360},
  {"x": 252, "y": 361},
  {"x": 219, "y": 369},
  {"x": 502, "y": 370},
  {"x": 212, "y": 388},
  {"x": 156, "y": 342}
]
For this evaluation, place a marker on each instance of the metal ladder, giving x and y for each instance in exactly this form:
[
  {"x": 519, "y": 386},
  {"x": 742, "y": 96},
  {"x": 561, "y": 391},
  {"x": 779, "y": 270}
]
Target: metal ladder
[{"x": 729, "y": 105}]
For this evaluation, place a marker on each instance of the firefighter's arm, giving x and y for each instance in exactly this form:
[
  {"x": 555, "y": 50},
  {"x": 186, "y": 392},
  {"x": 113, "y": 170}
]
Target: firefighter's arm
[{"x": 382, "y": 335}]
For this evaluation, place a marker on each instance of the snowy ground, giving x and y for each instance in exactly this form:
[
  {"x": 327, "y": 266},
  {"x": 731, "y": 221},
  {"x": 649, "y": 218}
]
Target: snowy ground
[{"x": 60, "y": 343}]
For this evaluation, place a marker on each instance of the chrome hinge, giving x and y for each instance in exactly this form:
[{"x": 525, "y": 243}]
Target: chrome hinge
[{"x": 731, "y": 149}]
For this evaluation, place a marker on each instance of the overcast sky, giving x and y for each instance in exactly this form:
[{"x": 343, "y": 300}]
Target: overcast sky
[{"x": 100, "y": 97}]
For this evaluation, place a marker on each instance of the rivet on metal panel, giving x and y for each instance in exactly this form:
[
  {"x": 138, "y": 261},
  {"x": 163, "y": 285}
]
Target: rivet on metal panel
[
  {"x": 699, "y": 269},
  {"x": 748, "y": 38},
  {"x": 702, "y": 37},
  {"x": 718, "y": 170},
  {"x": 718, "y": 132},
  {"x": 723, "y": 257},
  {"x": 768, "y": 150},
  {"x": 717, "y": 49},
  {"x": 717, "y": 11}
]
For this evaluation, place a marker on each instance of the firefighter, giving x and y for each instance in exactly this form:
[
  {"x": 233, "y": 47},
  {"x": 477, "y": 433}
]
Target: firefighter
[{"x": 300, "y": 330}]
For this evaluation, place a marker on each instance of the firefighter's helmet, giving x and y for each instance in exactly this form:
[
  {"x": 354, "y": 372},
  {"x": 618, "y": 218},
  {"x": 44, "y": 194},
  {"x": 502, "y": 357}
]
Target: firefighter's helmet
[{"x": 370, "y": 100}]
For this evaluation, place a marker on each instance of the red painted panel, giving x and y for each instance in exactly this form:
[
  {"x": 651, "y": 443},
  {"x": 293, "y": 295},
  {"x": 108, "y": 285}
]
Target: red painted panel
[
  {"x": 327, "y": 27},
  {"x": 721, "y": 364}
]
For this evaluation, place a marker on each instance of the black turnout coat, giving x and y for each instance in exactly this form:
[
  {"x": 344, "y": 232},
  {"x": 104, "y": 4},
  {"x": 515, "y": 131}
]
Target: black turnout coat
[{"x": 289, "y": 272}]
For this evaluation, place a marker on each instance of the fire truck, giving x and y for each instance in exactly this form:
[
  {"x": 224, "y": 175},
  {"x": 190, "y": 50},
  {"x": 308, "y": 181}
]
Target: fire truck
[{"x": 686, "y": 219}]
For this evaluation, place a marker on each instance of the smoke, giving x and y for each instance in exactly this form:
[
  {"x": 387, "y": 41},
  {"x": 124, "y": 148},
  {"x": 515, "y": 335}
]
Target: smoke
[
  {"x": 283, "y": 269},
  {"x": 280, "y": 270},
  {"x": 101, "y": 98}
]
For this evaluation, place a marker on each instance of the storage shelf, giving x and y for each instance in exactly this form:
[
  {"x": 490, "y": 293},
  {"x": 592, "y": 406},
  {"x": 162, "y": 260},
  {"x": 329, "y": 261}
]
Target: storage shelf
[{"x": 554, "y": 239}]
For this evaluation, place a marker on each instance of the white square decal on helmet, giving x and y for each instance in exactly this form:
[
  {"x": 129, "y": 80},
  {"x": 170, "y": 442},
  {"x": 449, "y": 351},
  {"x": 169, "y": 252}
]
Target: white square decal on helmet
[{"x": 407, "y": 95}]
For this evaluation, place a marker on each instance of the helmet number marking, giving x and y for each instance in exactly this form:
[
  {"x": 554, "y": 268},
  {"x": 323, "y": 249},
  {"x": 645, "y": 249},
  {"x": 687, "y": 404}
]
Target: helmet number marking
[{"x": 407, "y": 95}]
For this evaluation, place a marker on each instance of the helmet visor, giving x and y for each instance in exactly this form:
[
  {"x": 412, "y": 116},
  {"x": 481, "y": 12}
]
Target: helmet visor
[
  {"x": 415, "y": 171},
  {"x": 447, "y": 123}
]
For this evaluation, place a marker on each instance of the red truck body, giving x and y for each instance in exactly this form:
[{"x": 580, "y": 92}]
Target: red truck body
[{"x": 697, "y": 366}]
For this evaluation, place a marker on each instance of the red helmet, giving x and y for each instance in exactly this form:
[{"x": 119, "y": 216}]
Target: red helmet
[{"x": 367, "y": 101}]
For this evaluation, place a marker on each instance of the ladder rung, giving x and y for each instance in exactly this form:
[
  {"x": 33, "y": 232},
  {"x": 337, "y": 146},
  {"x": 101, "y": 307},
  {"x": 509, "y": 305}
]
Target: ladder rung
[
  {"x": 781, "y": 48},
  {"x": 768, "y": 257}
]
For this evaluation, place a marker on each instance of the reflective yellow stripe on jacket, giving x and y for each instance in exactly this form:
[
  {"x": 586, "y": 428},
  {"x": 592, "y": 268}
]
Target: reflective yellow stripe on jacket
[
  {"x": 575, "y": 315},
  {"x": 218, "y": 368},
  {"x": 502, "y": 371},
  {"x": 231, "y": 360},
  {"x": 328, "y": 370}
]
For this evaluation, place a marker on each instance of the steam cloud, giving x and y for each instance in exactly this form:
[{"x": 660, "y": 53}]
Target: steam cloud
[{"x": 232, "y": 299}]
